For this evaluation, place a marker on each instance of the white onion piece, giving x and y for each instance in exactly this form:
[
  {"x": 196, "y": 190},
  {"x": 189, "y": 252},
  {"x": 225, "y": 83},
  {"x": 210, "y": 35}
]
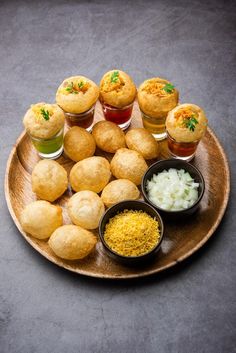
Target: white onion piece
[{"x": 172, "y": 190}]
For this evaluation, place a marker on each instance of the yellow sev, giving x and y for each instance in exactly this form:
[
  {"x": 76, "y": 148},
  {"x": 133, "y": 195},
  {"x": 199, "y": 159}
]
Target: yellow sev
[
  {"x": 132, "y": 233},
  {"x": 155, "y": 88},
  {"x": 184, "y": 113},
  {"x": 108, "y": 86}
]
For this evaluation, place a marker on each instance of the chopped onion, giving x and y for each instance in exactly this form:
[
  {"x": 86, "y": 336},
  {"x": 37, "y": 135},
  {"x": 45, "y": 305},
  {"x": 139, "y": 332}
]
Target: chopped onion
[{"x": 172, "y": 190}]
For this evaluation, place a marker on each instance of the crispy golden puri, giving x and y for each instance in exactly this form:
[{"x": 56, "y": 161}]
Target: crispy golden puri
[
  {"x": 142, "y": 141},
  {"x": 40, "y": 219},
  {"x": 71, "y": 242},
  {"x": 119, "y": 190},
  {"x": 108, "y": 136},
  {"x": 92, "y": 174},
  {"x": 85, "y": 209},
  {"x": 79, "y": 144},
  {"x": 49, "y": 180},
  {"x": 128, "y": 164}
]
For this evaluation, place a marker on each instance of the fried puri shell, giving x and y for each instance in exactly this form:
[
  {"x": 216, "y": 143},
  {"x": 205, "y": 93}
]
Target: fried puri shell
[
  {"x": 41, "y": 219},
  {"x": 79, "y": 144},
  {"x": 119, "y": 190},
  {"x": 142, "y": 141},
  {"x": 49, "y": 180},
  {"x": 128, "y": 164},
  {"x": 85, "y": 209},
  {"x": 71, "y": 242},
  {"x": 108, "y": 136},
  {"x": 92, "y": 174}
]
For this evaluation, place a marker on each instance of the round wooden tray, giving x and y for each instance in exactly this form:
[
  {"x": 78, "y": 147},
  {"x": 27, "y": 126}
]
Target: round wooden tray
[{"x": 180, "y": 241}]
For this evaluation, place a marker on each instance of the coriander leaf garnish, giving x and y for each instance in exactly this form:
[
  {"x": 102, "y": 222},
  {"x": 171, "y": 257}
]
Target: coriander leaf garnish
[
  {"x": 80, "y": 84},
  {"x": 168, "y": 88},
  {"x": 190, "y": 123},
  {"x": 71, "y": 89},
  {"x": 45, "y": 113},
  {"x": 114, "y": 76}
]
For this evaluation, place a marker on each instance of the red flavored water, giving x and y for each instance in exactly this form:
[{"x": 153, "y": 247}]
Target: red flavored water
[{"x": 119, "y": 116}]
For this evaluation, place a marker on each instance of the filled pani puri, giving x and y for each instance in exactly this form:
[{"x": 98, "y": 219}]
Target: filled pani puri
[
  {"x": 44, "y": 124},
  {"x": 92, "y": 174},
  {"x": 71, "y": 242},
  {"x": 128, "y": 164},
  {"x": 79, "y": 144},
  {"x": 142, "y": 141},
  {"x": 108, "y": 136},
  {"x": 49, "y": 180},
  {"x": 117, "y": 89},
  {"x": 186, "y": 124},
  {"x": 43, "y": 120},
  {"x": 77, "y": 96},
  {"x": 119, "y": 190},
  {"x": 41, "y": 219},
  {"x": 117, "y": 94},
  {"x": 85, "y": 209},
  {"x": 156, "y": 97}
]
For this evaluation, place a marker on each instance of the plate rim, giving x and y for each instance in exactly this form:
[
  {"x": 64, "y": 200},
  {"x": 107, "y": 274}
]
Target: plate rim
[{"x": 109, "y": 276}]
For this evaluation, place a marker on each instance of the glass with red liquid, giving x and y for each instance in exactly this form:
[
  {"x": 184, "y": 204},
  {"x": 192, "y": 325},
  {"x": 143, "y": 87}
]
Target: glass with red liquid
[
  {"x": 119, "y": 116},
  {"x": 84, "y": 120},
  {"x": 182, "y": 150}
]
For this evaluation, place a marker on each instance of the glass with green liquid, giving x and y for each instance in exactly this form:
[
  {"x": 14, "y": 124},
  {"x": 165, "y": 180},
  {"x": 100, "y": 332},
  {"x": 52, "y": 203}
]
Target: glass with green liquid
[{"x": 50, "y": 148}]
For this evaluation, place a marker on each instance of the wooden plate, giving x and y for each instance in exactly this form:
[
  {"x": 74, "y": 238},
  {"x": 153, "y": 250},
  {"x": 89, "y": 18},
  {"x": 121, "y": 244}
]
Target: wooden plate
[{"x": 181, "y": 240}]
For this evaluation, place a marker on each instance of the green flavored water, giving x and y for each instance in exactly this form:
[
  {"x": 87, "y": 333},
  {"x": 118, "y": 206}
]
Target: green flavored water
[{"x": 48, "y": 146}]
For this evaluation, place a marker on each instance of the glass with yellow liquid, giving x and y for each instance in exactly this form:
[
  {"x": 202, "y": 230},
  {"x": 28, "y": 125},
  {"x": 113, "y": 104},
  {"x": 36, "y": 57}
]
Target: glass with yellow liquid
[{"x": 155, "y": 125}]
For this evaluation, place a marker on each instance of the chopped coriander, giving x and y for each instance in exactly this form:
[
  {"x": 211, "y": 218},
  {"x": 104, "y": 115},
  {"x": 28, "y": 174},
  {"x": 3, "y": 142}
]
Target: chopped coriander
[
  {"x": 80, "y": 84},
  {"x": 45, "y": 114},
  {"x": 168, "y": 88},
  {"x": 71, "y": 89},
  {"x": 190, "y": 123},
  {"x": 114, "y": 76}
]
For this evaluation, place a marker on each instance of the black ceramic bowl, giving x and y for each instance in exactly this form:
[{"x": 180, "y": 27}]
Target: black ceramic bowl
[
  {"x": 158, "y": 167},
  {"x": 130, "y": 205}
]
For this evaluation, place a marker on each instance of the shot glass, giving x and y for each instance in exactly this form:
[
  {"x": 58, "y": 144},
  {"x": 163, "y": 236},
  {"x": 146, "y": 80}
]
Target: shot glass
[
  {"x": 84, "y": 120},
  {"x": 155, "y": 125},
  {"x": 184, "y": 151},
  {"x": 50, "y": 148},
  {"x": 119, "y": 116}
]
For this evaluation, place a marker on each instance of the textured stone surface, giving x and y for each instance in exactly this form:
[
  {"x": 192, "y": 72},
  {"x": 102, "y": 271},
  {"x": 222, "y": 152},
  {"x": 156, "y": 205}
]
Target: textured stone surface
[{"x": 46, "y": 309}]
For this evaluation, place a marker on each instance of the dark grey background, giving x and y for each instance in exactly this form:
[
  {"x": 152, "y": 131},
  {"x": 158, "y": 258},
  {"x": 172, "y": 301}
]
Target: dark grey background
[{"x": 46, "y": 309}]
